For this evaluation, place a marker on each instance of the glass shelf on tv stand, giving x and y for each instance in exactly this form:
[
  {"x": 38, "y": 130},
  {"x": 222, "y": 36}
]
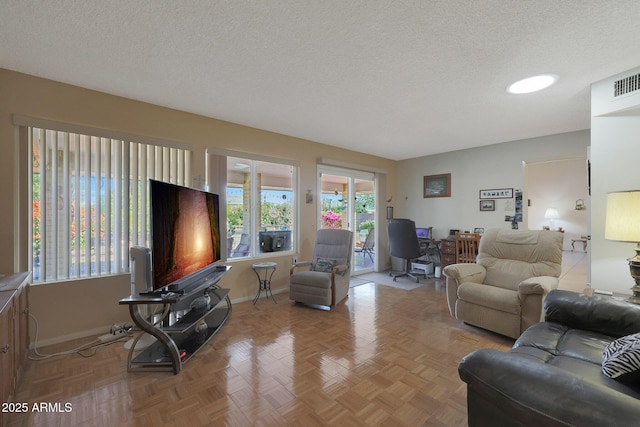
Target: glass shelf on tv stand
[{"x": 175, "y": 331}]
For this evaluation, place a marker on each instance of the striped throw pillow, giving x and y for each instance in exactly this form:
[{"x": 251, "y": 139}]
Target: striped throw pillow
[{"x": 621, "y": 359}]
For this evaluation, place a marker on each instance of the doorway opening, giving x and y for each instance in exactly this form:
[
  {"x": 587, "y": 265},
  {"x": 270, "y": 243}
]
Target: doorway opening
[
  {"x": 348, "y": 201},
  {"x": 557, "y": 197}
]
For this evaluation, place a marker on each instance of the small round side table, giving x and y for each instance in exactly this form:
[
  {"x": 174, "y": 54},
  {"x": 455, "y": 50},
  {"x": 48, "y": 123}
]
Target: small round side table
[{"x": 264, "y": 284}]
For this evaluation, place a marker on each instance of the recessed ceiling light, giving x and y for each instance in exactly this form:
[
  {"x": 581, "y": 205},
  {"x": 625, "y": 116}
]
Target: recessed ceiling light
[{"x": 532, "y": 84}]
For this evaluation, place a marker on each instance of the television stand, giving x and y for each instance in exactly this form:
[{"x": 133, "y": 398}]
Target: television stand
[{"x": 182, "y": 327}]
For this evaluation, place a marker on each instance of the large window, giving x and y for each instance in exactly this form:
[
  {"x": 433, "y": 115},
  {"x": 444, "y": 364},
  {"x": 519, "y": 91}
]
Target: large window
[
  {"x": 260, "y": 207},
  {"x": 90, "y": 200}
]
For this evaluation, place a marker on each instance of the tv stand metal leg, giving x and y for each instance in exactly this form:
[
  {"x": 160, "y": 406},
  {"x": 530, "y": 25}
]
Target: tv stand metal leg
[{"x": 145, "y": 326}]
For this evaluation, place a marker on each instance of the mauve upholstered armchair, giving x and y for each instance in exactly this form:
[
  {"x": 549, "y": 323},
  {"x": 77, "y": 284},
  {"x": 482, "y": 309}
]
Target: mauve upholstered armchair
[{"x": 324, "y": 280}]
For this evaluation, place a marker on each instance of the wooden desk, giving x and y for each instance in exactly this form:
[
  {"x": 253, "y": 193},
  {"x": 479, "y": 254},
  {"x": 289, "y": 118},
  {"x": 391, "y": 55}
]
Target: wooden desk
[{"x": 447, "y": 252}]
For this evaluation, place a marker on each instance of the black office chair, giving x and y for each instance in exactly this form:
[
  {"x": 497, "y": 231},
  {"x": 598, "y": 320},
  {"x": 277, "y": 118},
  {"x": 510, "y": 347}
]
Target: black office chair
[{"x": 403, "y": 243}]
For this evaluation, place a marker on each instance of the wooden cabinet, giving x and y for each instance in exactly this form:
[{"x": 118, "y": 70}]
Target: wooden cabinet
[
  {"x": 6, "y": 349},
  {"x": 447, "y": 252},
  {"x": 14, "y": 333},
  {"x": 21, "y": 327}
]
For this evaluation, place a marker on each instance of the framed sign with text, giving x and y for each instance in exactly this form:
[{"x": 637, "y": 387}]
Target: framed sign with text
[{"x": 498, "y": 193}]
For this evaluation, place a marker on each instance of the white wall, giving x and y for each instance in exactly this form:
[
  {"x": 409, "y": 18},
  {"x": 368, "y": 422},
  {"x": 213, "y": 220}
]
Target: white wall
[
  {"x": 615, "y": 149},
  {"x": 472, "y": 170}
]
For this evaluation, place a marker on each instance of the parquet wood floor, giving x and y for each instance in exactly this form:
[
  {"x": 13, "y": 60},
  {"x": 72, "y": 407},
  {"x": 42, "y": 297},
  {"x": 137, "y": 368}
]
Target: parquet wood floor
[{"x": 385, "y": 356}]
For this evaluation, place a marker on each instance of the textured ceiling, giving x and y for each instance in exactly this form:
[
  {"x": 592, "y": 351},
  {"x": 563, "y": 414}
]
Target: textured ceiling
[{"x": 398, "y": 79}]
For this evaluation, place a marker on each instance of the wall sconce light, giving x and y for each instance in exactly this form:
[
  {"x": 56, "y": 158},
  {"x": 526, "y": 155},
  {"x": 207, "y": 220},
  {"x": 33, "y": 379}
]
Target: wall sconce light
[{"x": 580, "y": 206}]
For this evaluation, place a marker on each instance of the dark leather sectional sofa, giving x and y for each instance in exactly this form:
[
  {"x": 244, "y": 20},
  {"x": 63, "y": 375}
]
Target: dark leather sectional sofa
[{"x": 552, "y": 376}]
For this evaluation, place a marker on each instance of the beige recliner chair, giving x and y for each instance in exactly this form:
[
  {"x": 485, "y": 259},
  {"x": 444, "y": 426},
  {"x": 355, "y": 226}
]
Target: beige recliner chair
[
  {"x": 505, "y": 290},
  {"x": 325, "y": 280}
]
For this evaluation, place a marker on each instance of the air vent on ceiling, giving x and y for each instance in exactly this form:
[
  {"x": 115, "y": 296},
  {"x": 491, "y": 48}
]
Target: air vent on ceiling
[{"x": 626, "y": 85}]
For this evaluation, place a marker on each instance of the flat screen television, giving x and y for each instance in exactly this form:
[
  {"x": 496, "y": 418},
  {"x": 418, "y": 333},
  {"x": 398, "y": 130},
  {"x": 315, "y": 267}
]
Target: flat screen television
[{"x": 185, "y": 234}]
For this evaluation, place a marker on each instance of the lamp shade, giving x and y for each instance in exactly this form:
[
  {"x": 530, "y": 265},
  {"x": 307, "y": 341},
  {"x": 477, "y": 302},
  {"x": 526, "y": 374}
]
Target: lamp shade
[
  {"x": 551, "y": 213},
  {"x": 622, "y": 221}
]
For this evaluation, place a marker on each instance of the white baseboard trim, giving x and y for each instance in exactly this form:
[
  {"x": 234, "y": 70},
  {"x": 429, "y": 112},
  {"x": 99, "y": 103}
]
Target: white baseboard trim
[
  {"x": 244, "y": 299},
  {"x": 70, "y": 337},
  {"x": 105, "y": 329}
]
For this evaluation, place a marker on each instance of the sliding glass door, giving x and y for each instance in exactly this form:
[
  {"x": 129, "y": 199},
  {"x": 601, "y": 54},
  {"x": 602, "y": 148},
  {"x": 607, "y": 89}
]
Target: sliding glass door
[{"x": 348, "y": 201}]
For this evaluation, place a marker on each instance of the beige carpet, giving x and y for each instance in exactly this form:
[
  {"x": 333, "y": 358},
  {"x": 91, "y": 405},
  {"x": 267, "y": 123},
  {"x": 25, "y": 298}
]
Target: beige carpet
[{"x": 383, "y": 278}]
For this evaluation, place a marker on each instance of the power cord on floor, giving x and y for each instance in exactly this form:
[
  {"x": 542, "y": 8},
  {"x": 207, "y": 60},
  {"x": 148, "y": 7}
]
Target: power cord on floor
[
  {"x": 93, "y": 345},
  {"x": 125, "y": 331}
]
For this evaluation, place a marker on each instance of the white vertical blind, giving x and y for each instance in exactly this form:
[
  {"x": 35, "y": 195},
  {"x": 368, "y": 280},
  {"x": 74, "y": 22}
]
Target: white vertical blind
[{"x": 90, "y": 200}]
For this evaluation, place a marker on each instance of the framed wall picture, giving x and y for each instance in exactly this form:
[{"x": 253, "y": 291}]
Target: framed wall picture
[
  {"x": 497, "y": 193},
  {"x": 437, "y": 185},
  {"x": 487, "y": 205}
]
